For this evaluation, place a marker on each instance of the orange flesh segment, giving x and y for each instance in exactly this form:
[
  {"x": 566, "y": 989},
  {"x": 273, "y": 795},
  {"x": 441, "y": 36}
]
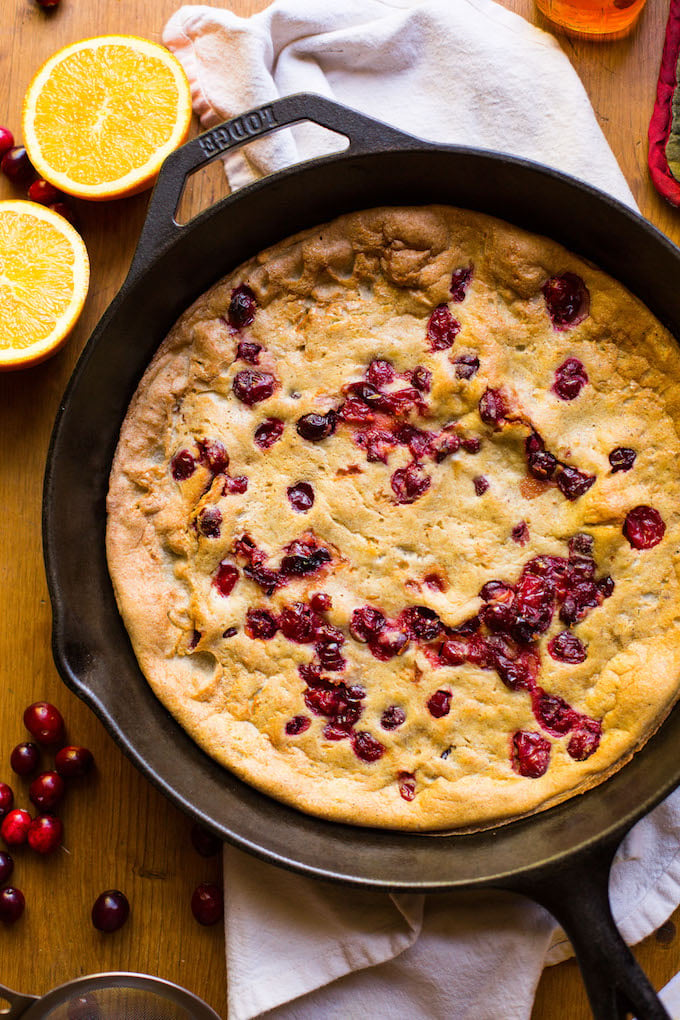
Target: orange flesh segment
[
  {"x": 37, "y": 279},
  {"x": 117, "y": 141}
]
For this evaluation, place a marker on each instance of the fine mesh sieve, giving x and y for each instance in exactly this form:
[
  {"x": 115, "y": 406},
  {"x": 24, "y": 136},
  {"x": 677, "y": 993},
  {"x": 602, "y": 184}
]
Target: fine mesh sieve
[{"x": 112, "y": 996}]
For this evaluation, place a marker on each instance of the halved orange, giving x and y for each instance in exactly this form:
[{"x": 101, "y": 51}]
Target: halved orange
[
  {"x": 101, "y": 115},
  {"x": 44, "y": 275}
]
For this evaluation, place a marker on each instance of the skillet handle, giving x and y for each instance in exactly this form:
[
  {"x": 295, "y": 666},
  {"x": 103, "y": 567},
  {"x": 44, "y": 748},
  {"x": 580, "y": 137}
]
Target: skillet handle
[
  {"x": 577, "y": 894},
  {"x": 364, "y": 135},
  {"x": 18, "y": 1003}
]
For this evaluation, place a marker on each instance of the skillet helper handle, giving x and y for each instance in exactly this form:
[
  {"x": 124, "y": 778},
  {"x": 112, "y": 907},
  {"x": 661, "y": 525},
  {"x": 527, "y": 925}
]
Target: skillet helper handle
[
  {"x": 577, "y": 895},
  {"x": 364, "y": 135},
  {"x": 18, "y": 1004}
]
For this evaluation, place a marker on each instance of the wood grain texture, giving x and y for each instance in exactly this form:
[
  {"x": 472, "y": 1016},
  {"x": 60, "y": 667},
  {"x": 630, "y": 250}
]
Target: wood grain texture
[{"x": 119, "y": 831}]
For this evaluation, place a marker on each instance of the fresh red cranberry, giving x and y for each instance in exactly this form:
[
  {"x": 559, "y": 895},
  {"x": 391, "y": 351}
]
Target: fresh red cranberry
[
  {"x": 442, "y": 329},
  {"x": 553, "y": 713},
  {"x": 209, "y": 522},
  {"x": 567, "y": 299},
  {"x": 301, "y": 497},
  {"x": 622, "y": 459},
  {"x": 321, "y": 602},
  {"x": 14, "y": 828},
  {"x": 268, "y": 432},
  {"x": 392, "y": 718},
  {"x": 466, "y": 366},
  {"x": 195, "y": 639},
  {"x": 366, "y": 623},
  {"x": 207, "y": 903},
  {"x": 249, "y": 352},
  {"x": 573, "y": 483},
  {"x": 436, "y": 582},
  {"x": 110, "y": 910},
  {"x": 439, "y": 704},
  {"x": 481, "y": 484},
  {"x": 517, "y": 674},
  {"x": 67, "y": 211},
  {"x": 388, "y": 643},
  {"x": 570, "y": 378},
  {"x": 315, "y": 427},
  {"x": 17, "y": 166},
  {"x": 530, "y": 754},
  {"x": 6, "y": 141},
  {"x": 43, "y": 192},
  {"x": 520, "y": 533},
  {"x": 330, "y": 656},
  {"x": 418, "y": 441},
  {"x": 355, "y": 412},
  {"x": 260, "y": 624},
  {"x": 605, "y": 586},
  {"x": 497, "y": 591},
  {"x": 410, "y": 483},
  {"x": 492, "y": 407},
  {"x": 73, "y": 762},
  {"x": 45, "y": 834},
  {"x": 182, "y": 465},
  {"x": 366, "y": 747},
  {"x": 447, "y": 442},
  {"x": 585, "y": 740},
  {"x": 407, "y": 785},
  {"x": 340, "y": 703},
  {"x": 542, "y": 464},
  {"x": 421, "y": 378},
  {"x": 230, "y": 632},
  {"x": 46, "y": 790},
  {"x": 643, "y": 527},
  {"x": 24, "y": 758},
  {"x": 421, "y": 622},
  {"x": 242, "y": 306},
  {"x": 12, "y": 904},
  {"x": 460, "y": 279},
  {"x": 453, "y": 652},
  {"x": 303, "y": 558},
  {"x": 6, "y": 866},
  {"x": 6, "y": 799},
  {"x": 225, "y": 578},
  {"x": 204, "y": 842},
  {"x": 252, "y": 386},
  {"x": 581, "y": 545},
  {"x": 380, "y": 372},
  {"x": 214, "y": 455},
  {"x": 298, "y": 622},
  {"x": 235, "y": 486},
  {"x": 566, "y": 647},
  {"x": 471, "y": 444},
  {"x": 298, "y": 724},
  {"x": 48, "y": 4},
  {"x": 44, "y": 722}
]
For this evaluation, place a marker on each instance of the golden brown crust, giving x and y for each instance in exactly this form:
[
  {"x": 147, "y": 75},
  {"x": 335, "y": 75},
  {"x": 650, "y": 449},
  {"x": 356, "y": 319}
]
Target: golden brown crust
[{"x": 328, "y": 302}]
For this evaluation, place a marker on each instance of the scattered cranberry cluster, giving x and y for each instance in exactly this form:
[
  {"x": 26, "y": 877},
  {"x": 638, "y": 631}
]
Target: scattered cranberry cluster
[
  {"x": 17, "y": 167},
  {"x": 301, "y": 558},
  {"x": 503, "y": 636},
  {"x": 44, "y": 832},
  {"x": 207, "y": 901}
]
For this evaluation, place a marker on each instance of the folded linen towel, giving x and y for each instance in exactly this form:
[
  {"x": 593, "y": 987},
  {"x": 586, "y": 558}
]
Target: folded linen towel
[{"x": 471, "y": 72}]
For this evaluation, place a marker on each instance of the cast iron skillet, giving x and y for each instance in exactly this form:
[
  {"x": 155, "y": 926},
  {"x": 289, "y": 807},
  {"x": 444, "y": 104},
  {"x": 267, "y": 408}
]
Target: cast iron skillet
[{"x": 561, "y": 857}]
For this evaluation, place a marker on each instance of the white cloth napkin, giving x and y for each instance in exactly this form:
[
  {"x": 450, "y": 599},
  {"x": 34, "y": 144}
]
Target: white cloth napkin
[{"x": 464, "y": 71}]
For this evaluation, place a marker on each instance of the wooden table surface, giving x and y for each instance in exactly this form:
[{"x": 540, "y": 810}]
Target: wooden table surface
[{"x": 119, "y": 831}]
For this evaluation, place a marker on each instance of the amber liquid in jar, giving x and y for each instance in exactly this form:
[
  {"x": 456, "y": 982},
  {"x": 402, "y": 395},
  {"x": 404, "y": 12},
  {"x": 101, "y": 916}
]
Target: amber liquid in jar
[{"x": 592, "y": 19}]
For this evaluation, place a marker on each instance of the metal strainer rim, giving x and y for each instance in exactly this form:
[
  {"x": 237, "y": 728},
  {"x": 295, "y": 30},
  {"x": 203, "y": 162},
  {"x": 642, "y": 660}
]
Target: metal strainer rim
[{"x": 110, "y": 979}]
